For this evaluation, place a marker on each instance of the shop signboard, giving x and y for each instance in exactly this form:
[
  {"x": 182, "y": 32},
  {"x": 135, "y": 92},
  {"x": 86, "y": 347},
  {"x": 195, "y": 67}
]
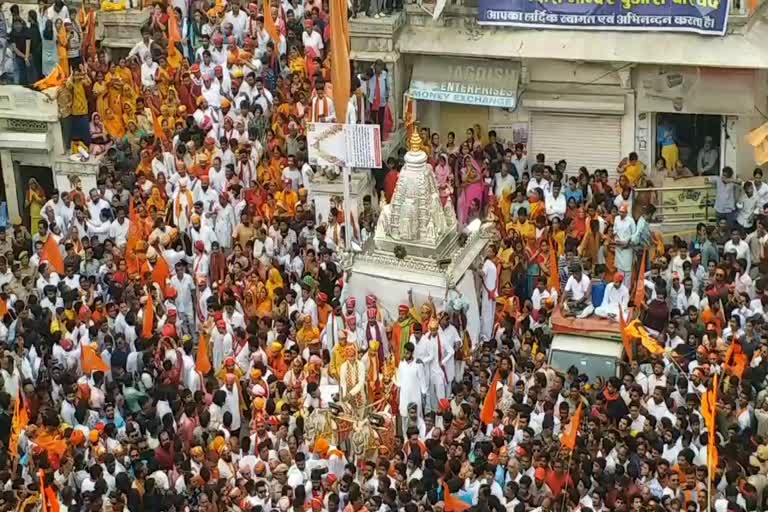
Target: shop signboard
[
  {"x": 706, "y": 17},
  {"x": 344, "y": 145}
]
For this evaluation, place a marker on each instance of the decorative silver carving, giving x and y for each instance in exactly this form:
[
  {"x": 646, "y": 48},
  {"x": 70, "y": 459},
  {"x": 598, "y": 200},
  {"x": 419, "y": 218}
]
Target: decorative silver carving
[{"x": 416, "y": 213}]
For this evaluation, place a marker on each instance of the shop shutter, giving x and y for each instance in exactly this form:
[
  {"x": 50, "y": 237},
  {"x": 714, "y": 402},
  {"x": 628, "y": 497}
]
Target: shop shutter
[{"x": 592, "y": 141}]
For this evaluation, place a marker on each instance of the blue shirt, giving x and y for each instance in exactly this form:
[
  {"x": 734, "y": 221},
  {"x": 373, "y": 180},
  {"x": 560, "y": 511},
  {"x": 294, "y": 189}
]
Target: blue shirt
[{"x": 577, "y": 195}]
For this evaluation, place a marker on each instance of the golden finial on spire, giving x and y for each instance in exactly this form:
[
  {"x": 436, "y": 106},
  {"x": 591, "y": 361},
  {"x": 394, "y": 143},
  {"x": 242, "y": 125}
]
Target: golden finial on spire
[{"x": 414, "y": 144}]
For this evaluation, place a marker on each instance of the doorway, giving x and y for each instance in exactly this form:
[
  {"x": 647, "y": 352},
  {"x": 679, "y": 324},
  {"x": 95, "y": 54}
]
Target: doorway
[
  {"x": 698, "y": 138},
  {"x": 24, "y": 173}
]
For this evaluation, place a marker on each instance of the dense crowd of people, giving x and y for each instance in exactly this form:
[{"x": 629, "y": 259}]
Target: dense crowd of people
[{"x": 182, "y": 337}]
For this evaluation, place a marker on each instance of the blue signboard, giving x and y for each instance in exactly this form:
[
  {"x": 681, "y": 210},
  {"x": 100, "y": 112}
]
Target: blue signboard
[{"x": 707, "y": 17}]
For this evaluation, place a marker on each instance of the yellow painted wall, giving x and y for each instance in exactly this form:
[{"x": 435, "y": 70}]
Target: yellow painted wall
[{"x": 457, "y": 118}]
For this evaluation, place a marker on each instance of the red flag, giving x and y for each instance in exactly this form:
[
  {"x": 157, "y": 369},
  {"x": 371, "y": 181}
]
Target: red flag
[
  {"x": 91, "y": 361},
  {"x": 624, "y": 338},
  {"x": 52, "y": 254},
  {"x": 489, "y": 404},
  {"x": 161, "y": 273},
  {"x": 640, "y": 286},
  {"x": 149, "y": 318},
  {"x": 569, "y": 438},
  {"x": 202, "y": 361}
]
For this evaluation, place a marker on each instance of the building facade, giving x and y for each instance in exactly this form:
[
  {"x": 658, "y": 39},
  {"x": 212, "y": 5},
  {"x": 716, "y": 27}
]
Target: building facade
[{"x": 589, "y": 97}]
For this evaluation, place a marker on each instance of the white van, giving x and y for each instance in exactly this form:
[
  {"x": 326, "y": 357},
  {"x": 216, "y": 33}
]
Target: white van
[{"x": 592, "y": 356}]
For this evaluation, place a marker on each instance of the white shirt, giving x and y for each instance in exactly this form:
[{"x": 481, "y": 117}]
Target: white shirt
[
  {"x": 577, "y": 288},
  {"x": 555, "y": 206},
  {"x": 313, "y": 40}
]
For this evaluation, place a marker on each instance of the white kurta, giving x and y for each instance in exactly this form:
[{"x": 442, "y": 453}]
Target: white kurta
[
  {"x": 222, "y": 347},
  {"x": 412, "y": 386},
  {"x": 488, "y": 300},
  {"x": 451, "y": 340},
  {"x": 428, "y": 352},
  {"x": 232, "y": 405},
  {"x": 623, "y": 229},
  {"x": 611, "y": 300}
]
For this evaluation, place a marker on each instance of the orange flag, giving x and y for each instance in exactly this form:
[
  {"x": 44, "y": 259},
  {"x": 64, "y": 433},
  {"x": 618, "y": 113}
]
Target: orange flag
[
  {"x": 624, "y": 338},
  {"x": 489, "y": 404},
  {"x": 709, "y": 413},
  {"x": 161, "y": 273},
  {"x": 202, "y": 361},
  {"x": 554, "y": 269},
  {"x": 91, "y": 361},
  {"x": 409, "y": 118},
  {"x": 269, "y": 24},
  {"x": 735, "y": 359},
  {"x": 49, "y": 500},
  {"x": 3, "y": 307},
  {"x": 635, "y": 331},
  {"x": 149, "y": 318},
  {"x": 55, "y": 78},
  {"x": 451, "y": 503},
  {"x": 20, "y": 422},
  {"x": 52, "y": 254},
  {"x": 569, "y": 438},
  {"x": 133, "y": 216},
  {"x": 156, "y": 127},
  {"x": 640, "y": 286},
  {"x": 51, "y": 443},
  {"x": 174, "y": 36},
  {"x": 341, "y": 75}
]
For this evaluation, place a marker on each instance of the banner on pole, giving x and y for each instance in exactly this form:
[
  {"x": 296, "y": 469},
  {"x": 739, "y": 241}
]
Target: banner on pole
[
  {"x": 706, "y": 17},
  {"x": 344, "y": 145}
]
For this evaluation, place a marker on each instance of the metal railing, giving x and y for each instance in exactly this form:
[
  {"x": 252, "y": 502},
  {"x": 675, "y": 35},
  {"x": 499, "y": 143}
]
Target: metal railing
[{"x": 682, "y": 205}]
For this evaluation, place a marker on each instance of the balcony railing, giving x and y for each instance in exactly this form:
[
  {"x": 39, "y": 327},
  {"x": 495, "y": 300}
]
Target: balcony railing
[{"x": 682, "y": 205}]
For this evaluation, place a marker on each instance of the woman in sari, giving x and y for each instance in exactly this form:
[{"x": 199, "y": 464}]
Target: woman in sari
[
  {"x": 114, "y": 124},
  {"x": 536, "y": 201},
  {"x": 472, "y": 187},
  {"x": 133, "y": 133},
  {"x": 536, "y": 255},
  {"x": 274, "y": 282},
  {"x": 444, "y": 177},
  {"x": 62, "y": 40},
  {"x": 34, "y": 201},
  {"x": 100, "y": 141},
  {"x": 157, "y": 201}
]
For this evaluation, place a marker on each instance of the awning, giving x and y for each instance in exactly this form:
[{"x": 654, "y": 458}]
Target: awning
[
  {"x": 577, "y": 103},
  {"x": 467, "y": 81}
]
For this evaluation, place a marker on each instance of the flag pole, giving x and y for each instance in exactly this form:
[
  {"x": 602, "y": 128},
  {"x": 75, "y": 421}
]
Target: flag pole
[
  {"x": 346, "y": 174},
  {"x": 709, "y": 483}
]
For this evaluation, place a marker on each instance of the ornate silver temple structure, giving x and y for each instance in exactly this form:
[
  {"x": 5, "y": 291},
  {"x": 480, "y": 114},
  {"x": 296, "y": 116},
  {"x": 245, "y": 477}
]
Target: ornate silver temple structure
[{"x": 417, "y": 246}]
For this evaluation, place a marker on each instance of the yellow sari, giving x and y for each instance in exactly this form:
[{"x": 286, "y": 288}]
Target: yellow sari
[
  {"x": 274, "y": 281},
  {"x": 114, "y": 124},
  {"x": 62, "y": 40}
]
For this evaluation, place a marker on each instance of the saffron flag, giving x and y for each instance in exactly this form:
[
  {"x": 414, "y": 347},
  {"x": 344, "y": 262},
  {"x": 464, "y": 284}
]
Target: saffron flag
[
  {"x": 554, "y": 269},
  {"x": 53, "y": 444},
  {"x": 635, "y": 331},
  {"x": 20, "y": 422},
  {"x": 489, "y": 404},
  {"x": 569, "y": 438},
  {"x": 161, "y": 273},
  {"x": 157, "y": 127},
  {"x": 640, "y": 286},
  {"x": 48, "y": 498},
  {"x": 709, "y": 413},
  {"x": 149, "y": 318},
  {"x": 341, "y": 74},
  {"x": 3, "y": 307},
  {"x": 452, "y": 503},
  {"x": 52, "y": 254},
  {"x": 91, "y": 361},
  {"x": 735, "y": 359},
  {"x": 202, "y": 361},
  {"x": 132, "y": 215},
  {"x": 55, "y": 78},
  {"x": 174, "y": 36},
  {"x": 269, "y": 24},
  {"x": 624, "y": 338}
]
